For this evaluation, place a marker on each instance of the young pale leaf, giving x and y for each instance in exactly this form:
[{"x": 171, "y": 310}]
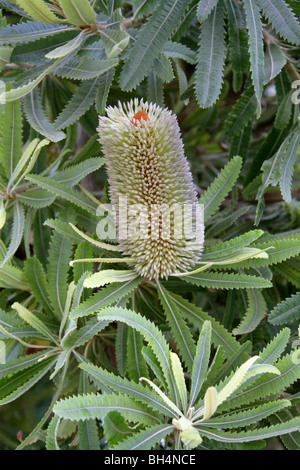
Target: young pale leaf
[
  {"x": 78, "y": 12},
  {"x": 210, "y": 402},
  {"x": 108, "y": 276},
  {"x": 211, "y": 57},
  {"x": 179, "y": 379}
]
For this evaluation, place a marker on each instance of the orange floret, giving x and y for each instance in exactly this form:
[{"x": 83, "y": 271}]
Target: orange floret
[{"x": 139, "y": 116}]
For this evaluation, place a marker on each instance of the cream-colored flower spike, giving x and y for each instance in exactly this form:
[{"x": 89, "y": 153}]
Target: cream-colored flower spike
[{"x": 146, "y": 164}]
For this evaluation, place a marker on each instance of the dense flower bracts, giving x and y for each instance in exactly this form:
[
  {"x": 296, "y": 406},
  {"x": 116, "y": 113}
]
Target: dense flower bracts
[{"x": 146, "y": 165}]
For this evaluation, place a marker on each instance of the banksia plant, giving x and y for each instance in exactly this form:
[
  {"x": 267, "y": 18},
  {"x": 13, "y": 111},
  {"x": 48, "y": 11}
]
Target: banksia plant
[{"x": 147, "y": 168}]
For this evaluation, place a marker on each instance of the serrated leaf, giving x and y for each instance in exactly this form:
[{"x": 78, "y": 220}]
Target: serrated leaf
[
  {"x": 107, "y": 296},
  {"x": 286, "y": 311},
  {"x": 196, "y": 316},
  {"x": 282, "y": 18},
  {"x": 93, "y": 406},
  {"x": 287, "y": 167},
  {"x": 37, "y": 118},
  {"x": 179, "y": 329},
  {"x": 80, "y": 102},
  {"x": 16, "y": 234},
  {"x": 204, "y": 9},
  {"x": 25, "y": 32},
  {"x": 151, "y": 41},
  {"x": 256, "y": 51},
  {"x": 39, "y": 10},
  {"x": 200, "y": 365},
  {"x": 84, "y": 68},
  {"x": 256, "y": 311},
  {"x": 227, "y": 281},
  {"x": 274, "y": 61},
  {"x": 241, "y": 113},
  {"x": 218, "y": 190},
  {"x": 210, "y": 58},
  {"x": 151, "y": 334}
]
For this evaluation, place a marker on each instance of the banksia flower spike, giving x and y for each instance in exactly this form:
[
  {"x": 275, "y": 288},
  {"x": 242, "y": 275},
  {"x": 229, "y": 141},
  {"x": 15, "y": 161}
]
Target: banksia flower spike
[{"x": 147, "y": 168}]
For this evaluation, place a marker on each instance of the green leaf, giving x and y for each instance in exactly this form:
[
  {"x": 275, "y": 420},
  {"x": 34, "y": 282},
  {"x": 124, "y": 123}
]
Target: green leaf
[
  {"x": 266, "y": 385},
  {"x": 64, "y": 191},
  {"x": 145, "y": 440},
  {"x": 218, "y": 190},
  {"x": 176, "y": 50},
  {"x": 21, "y": 363},
  {"x": 39, "y": 10},
  {"x": 151, "y": 41},
  {"x": 37, "y": 118},
  {"x": 151, "y": 334},
  {"x": 80, "y": 102},
  {"x": 200, "y": 365},
  {"x": 34, "y": 321},
  {"x": 36, "y": 198},
  {"x": 25, "y": 32},
  {"x": 210, "y": 58},
  {"x": 241, "y": 113},
  {"x": 114, "y": 41},
  {"x": 87, "y": 430},
  {"x": 5, "y": 55},
  {"x": 287, "y": 166},
  {"x": 256, "y": 50},
  {"x": 38, "y": 284},
  {"x": 136, "y": 364},
  {"x": 16, "y": 234},
  {"x": 253, "y": 435},
  {"x": 196, "y": 316},
  {"x": 179, "y": 329},
  {"x": 286, "y": 311},
  {"x": 256, "y": 311},
  {"x": 78, "y": 12},
  {"x": 104, "y": 83},
  {"x": 67, "y": 48},
  {"x": 58, "y": 267},
  {"x": 93, "y": 406},
  {"x": 12, "y": 388},
  {"x": 227, "y": 281},
  {"x": 108, "y": 276},
  {"x": 204, "y": 9},
  {"x": 274, "y": 61},
  {"x": 128, "y": 387},
  {"x": 11, "y": 139},
  {"x": 107, "y": 296},
  {"x": 282, "y": 18},
  {"x": 238, "y": 46},
  {"x": 84, "y": 68}
]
